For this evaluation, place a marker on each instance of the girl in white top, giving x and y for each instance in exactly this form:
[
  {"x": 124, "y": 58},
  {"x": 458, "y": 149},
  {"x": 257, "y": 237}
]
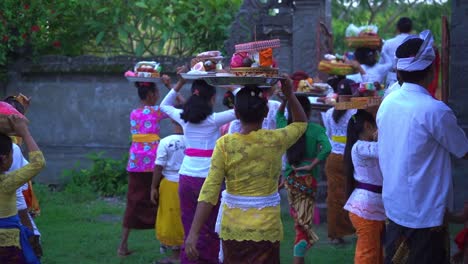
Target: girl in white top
[
  {"x": 364, "y": 187},
  {"x": 164, "y": 193},
  {"x": 336, "y": 122},
  {"x": 201, "y": 130}
]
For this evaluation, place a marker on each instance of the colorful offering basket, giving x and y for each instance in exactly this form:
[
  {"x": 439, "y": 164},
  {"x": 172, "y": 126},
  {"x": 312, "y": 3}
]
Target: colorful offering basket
[
  {"x": 335, "y": 68},
  {"x": 7, "y": 110},
  {"x": 144, "y": 71},
  {"x": 207, "y": 61},
  {"x": 255, "y": 59}
]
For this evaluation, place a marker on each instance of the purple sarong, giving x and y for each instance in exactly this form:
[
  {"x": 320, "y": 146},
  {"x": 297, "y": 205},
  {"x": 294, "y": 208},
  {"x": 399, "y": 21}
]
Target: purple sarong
[{"x": 208, "y": 242}]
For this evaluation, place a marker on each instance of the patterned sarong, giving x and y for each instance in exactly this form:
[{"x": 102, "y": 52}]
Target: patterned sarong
[{"x": 405, "y": 245}]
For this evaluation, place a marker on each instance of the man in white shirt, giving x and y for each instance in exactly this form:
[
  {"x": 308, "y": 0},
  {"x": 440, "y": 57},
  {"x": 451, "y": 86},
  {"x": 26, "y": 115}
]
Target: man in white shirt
[
  {"x": 417, "y": 135},
  {"x": 404, "y": 27}
]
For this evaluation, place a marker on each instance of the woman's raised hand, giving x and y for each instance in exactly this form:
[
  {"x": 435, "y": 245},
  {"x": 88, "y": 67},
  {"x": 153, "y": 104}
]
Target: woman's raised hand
[
  {"x": 287, "y": 86},
  {"x": 166, "y": 80},
  {"x": 19, "y": 125}
]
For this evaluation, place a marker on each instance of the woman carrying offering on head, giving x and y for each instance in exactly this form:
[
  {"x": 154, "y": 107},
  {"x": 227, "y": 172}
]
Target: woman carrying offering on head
[
  {"x": 140, "y": 213},
  {"x": 336, "y": 123},
  {"x": 14, "y": 245},
  {"x": 301, "y": 177},
  {"x": 249, "y": 162},
  {"x": 368, "y": 68},
  {"x": 201, "y": 130}
]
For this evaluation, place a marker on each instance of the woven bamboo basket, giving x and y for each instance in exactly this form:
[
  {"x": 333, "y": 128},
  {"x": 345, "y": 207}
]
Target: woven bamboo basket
[
  {"x": 257, "y": 71},
  {"x": 258, "y": 45},
  {"x": 358, "y": 103},
  {"x": 335, "y": 68},
  {"x": 366, "y": 41}
]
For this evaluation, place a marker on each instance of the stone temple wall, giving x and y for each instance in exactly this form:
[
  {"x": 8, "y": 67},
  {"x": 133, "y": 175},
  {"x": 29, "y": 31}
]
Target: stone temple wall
[
  {"x": 81, "y": 105},
  {"x": 458, "y": 92}
]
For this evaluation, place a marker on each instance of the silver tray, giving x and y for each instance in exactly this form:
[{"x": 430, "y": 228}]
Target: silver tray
[
  {"x": 187, "y": 76},
  {"x": 234, "y": 80},
  {"x": 142, "y": 79},
  {"x": 315, "y": 94}
]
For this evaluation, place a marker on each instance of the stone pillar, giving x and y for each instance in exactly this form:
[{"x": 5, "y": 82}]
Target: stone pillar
[
  {"x": 280, "y": 27},
  {"x": 306, "y": 38},
  {"x": 458, "y": 92}
]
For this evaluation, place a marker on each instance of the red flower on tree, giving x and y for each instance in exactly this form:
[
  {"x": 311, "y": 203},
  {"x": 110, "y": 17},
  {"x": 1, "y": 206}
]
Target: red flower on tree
[
  {"x": 56, "y": 44},
  {"x": 24, "y": 36},
  {"x": 35, "y": 28},
  {"x": 5, "y": 38},
  {"x": 26, "y": 7}
]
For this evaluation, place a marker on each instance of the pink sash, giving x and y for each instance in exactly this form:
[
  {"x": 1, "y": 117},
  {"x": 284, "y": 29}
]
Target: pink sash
[{"x": 203, "y": 153}]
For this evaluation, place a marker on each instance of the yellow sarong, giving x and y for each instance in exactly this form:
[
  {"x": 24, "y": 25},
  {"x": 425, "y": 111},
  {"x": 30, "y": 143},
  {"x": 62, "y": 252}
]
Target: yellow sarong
[{"x": 169, "y": 229}]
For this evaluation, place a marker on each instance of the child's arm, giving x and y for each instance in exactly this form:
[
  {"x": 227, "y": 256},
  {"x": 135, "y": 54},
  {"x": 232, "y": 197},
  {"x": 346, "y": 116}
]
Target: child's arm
[
  {"x": 159, "y": 163},
  {"x": 157, "y": 177}
]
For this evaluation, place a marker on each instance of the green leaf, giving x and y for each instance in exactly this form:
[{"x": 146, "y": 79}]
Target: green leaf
[
  {"x": 140, "y": 49},
  {"x": 102, "y": 10},
  {"x": 122, "y": 34},
  {"x": 141, "y": 4},
  {"x": 99, "y": 37}
]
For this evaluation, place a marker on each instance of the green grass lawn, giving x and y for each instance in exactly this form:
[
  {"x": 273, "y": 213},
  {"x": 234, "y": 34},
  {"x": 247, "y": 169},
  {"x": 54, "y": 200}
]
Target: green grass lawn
[{"x": 79, "y": 229}]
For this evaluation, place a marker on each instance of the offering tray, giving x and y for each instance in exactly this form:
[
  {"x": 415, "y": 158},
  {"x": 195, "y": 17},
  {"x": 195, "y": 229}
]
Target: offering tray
[
  {"x": 314, "y": 94},
  {"x": 234, "y": 80},
  {"x": 142, "y": 79},
  {"x": 187, "y": 76}
]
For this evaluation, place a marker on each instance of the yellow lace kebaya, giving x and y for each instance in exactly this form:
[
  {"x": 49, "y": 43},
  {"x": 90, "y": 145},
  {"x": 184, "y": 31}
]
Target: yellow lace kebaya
[
  {"x": 251, "y": 166},
  {"x": 9, "y": 182}
]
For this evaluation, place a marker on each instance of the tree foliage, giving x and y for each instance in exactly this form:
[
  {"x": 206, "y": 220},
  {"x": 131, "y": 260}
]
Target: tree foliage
[
  {"x": 112, "y": 27},
  {"x": 385, "y": 13}
]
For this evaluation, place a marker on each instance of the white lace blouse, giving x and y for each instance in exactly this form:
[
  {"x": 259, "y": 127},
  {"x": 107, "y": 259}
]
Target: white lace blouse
[{"x": 364, "y": 203}]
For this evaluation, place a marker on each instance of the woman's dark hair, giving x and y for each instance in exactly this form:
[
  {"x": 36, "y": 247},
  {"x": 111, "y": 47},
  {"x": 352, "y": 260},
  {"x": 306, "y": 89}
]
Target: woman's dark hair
[
  {"x": 355, "y": 128},
  {"x": 342, "y": 88},
  {"x": 251, "y": 104},
  {"x": 144, "y": 88},
  {"x": 6, "y": 144},
  {"x": 333, "y": 82},
  {"x": 15, "y": 103},
  {"x": 405, "y": 25},
  {"x": 409, "y": 49},
  {"x": 198, "y": 106},
  {"x": 365, "y": 56},
  {"x": 297, "y": 152},
  {"x": 228, "y": 100}
]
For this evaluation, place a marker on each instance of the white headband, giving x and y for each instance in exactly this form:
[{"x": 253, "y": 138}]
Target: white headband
[{"x": 423, "y": 58}]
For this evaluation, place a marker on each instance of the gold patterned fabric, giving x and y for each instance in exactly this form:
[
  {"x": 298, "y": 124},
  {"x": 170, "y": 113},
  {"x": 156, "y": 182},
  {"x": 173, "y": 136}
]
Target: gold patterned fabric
[
  {"x": 9, "y": 182},
  {"x": 250, "y": 165},
  {"x": 339, "y": 224}
]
